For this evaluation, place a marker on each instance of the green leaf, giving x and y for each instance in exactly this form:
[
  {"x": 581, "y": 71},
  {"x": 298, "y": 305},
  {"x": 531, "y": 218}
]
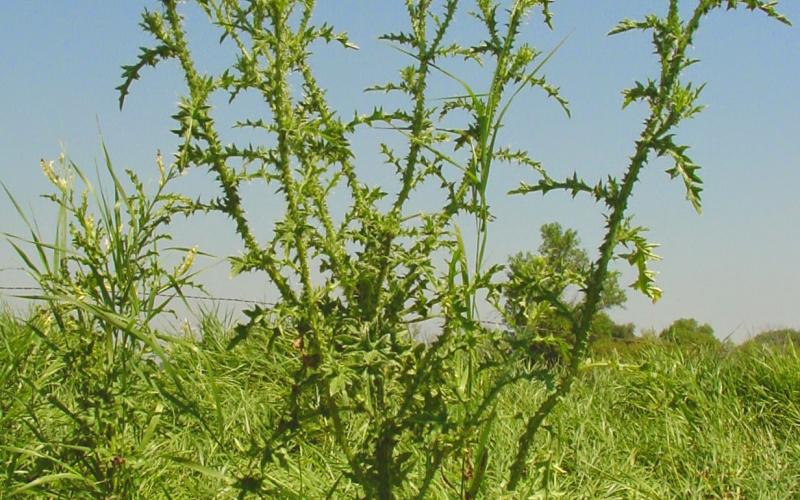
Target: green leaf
[
  {"x": 49, "y": 478},
  {"x": 337, "y": 384},
  {"x": 202, "y": 469}
]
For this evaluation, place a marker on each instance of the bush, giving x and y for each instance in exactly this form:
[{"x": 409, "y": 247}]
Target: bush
[
  {"x": 779, "y": 340},
  {"x": 603, "y": 327},
  {"x": 534, "y": 282},
  {"x": 626, "y": 349},
  {"x": 688, "y": 332}
]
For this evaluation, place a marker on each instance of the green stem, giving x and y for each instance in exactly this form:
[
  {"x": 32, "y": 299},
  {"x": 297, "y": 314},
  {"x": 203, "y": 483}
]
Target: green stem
[
  {"x": 655, "y": 127},
  {"x": 225, "y": 175},
  {"x": 589, "y": 308}
]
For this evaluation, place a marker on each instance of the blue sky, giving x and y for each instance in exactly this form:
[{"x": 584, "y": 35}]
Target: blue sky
[{"x": 736, "y": 266}]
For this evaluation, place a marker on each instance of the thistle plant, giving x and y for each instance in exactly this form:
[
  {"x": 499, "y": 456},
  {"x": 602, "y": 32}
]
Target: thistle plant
[
  {"x": 349, "y": 289},
  {"x": 670, "y": 101}
]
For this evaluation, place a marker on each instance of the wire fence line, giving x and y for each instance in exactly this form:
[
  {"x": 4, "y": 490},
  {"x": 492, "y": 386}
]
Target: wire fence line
[
  {"x": 207, "y": 298},
  {"x": 186, "y": 296},
  {"x": 238, "y": 300}
]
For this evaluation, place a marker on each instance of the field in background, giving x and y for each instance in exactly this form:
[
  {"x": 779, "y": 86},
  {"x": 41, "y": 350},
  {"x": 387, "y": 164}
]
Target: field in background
[{"x": 657, "y": 421}]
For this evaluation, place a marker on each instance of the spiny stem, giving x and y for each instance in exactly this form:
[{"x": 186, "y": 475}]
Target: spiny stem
[
  {"x": 225, "y": 175},
  {"x": 655, "y": 127}
]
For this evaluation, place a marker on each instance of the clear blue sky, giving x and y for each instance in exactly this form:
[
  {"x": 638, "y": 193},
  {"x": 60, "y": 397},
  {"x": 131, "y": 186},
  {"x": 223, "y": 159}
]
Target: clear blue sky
[{"x": 736, "y": 266}]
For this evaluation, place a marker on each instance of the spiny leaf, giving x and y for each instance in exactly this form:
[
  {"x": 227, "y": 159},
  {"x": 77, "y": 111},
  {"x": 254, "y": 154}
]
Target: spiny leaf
[
  {"x": 147, "y": 57},
  {"x": 640, "y": 255}
]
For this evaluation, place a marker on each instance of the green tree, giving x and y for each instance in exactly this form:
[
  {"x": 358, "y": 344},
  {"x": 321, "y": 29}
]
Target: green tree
[
  {"x": 688, "y": 332},
  {"x": 603, "y": 327},
  {"x": 775, "y": 339},
  {"x": 536, "y": 294}
]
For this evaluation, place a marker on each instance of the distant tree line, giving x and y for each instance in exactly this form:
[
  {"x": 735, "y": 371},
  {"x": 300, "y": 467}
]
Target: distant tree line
[{"x": 559, "y": 270}]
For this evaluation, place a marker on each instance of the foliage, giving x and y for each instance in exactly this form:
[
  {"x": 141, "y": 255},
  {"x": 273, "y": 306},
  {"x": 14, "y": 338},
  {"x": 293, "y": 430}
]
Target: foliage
[
  {"x": 628, "y": 350},
  {"x": 667, "y": 423},
  {"x": 353, "y": 405},
  {"x": 560, "y": 264},
  {"x": 534, "y": 281},
  {"x": 349, "y": 289},
  {"x": 688, "y": 332},
  {"x": 103, "y": 282},
  {"x": 670, "y": 101},
  {"x": 780, "y": 339},
  {"x": 605, "y": 327},
  {"x": 773, "y": 372}
]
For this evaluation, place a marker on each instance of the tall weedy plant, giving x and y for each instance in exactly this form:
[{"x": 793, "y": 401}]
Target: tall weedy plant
[
  {"x": 670, "y": 101},
  {"x": 351, "y": 279},
  {"x": 351, "y": 282},
  {"x": 103, "y": 282}
]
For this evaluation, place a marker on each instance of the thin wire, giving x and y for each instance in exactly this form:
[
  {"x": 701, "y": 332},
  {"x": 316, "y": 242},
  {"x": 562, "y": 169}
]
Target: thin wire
[
  {"x": 210, "y": 299},
  {"x": 192, "y": 297}
]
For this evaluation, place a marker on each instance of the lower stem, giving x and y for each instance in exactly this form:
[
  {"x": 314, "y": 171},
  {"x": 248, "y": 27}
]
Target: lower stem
[{"x": 590, "y": 306}]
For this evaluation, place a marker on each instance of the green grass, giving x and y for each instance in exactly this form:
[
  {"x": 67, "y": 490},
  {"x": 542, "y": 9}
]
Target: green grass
[{"x": 665, "y": 423}]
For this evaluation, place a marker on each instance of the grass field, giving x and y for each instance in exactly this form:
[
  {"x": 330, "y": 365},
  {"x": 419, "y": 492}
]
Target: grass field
[{"x": 663, "y": 422}]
